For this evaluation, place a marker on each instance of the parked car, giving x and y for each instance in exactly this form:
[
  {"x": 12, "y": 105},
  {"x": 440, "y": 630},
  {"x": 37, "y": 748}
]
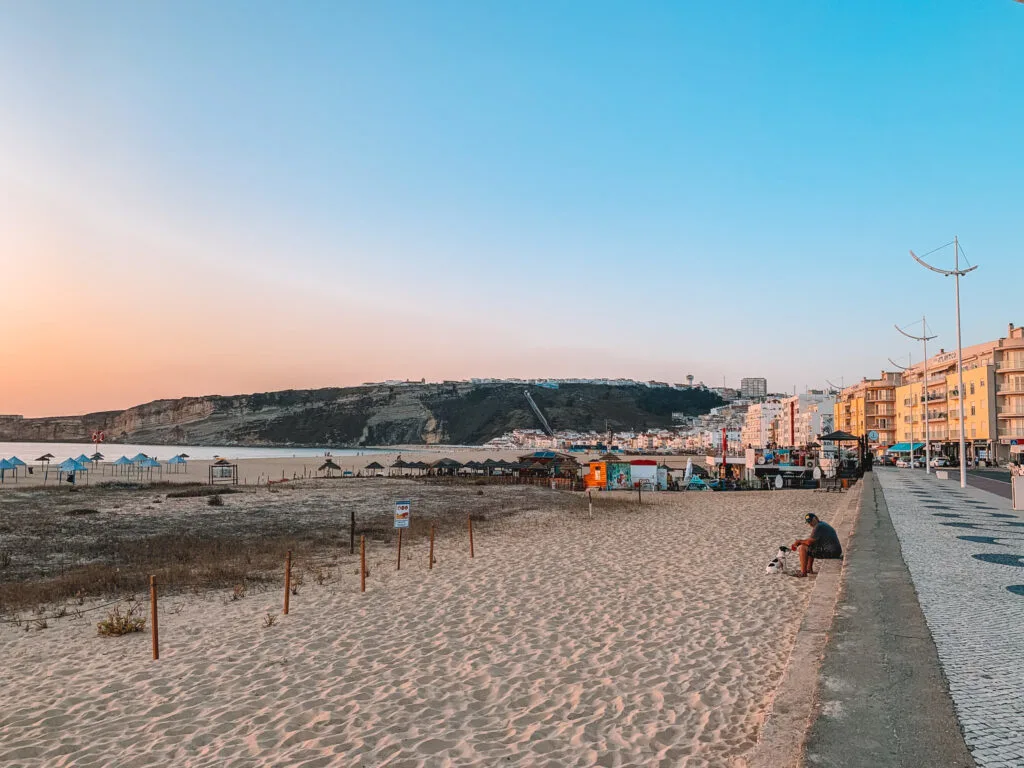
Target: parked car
[
  {"x": 908, "y": 464},
  {"x": 941, "y": 461},
  {"x": 888, "y": 460}
]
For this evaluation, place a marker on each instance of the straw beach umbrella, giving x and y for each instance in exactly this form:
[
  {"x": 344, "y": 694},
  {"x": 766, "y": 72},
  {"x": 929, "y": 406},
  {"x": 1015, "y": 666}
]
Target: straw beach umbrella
[
  {"x": 374, "y": 467},
  {"x": 329, "y": 466},
  {"x": 44, "y": 464}
]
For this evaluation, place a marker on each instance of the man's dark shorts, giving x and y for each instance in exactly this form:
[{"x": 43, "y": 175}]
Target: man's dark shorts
[{"x": 823, "y": 553}]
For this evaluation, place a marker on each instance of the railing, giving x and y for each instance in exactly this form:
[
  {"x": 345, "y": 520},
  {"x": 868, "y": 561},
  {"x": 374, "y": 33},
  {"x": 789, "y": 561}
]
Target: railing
[
  {"x": 1015, "y": 411},
  {"x": 1011, "y": 433},
  {"x": 1010, "y": 389},
  {"x": 1010, "y": 364},
  {"x": 936, "y": 395}
]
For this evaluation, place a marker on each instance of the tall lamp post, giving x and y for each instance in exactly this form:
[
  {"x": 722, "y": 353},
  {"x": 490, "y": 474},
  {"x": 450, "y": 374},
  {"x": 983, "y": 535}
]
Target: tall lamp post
[
  {"x": 956, "y": 273},
  {"x": 924, "y": 338}
]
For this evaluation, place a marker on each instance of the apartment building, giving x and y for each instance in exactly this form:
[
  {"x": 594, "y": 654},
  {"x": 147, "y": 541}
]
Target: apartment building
[
  {"x": 759, "y": 426},
  {"x": 804, "y": 418},
  {"x": 868, "y": 409},
  {"x": 753, "y": 387},
  {"x": 993, "y": 399},
  {"x": 1009, "y": 354}
]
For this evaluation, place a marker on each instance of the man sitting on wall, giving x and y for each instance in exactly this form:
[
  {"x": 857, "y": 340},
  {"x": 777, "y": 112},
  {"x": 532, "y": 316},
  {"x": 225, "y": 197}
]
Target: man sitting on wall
[{"x": 823, "y": 544}]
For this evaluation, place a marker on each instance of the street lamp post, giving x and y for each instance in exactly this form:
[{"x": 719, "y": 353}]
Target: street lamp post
[
  {"x": 924, "y": 338},
  {"x": 956, "y": 273}
]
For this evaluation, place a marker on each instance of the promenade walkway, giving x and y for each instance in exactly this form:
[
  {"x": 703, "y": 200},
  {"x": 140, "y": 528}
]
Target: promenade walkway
[{"x": 965, "y": 553}]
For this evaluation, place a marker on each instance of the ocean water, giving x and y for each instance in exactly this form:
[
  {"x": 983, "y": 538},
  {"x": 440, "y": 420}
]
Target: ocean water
[{"x": 29, "y": 452}]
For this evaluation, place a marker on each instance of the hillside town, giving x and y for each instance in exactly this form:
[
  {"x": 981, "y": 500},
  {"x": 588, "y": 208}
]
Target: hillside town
[{"x": 892, "y": 411}]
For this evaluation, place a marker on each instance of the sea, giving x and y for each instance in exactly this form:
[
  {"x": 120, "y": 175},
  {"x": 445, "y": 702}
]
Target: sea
[{"x": 29, "y": 452}]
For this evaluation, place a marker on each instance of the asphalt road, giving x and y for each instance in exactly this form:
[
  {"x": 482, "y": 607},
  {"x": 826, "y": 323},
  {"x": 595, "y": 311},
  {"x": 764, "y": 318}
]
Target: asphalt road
[{"x": 993, "y": 481}]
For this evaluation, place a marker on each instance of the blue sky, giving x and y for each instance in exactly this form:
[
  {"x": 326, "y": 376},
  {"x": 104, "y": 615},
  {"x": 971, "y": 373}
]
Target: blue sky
[{"x": 353, "y": 191}]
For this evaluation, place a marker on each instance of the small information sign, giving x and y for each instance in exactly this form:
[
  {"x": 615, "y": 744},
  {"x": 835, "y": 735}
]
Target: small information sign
[{"x": 402, "y": 511}]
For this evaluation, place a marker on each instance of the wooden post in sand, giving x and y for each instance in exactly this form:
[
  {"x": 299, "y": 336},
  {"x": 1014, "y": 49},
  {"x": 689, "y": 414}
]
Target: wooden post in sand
[
  {"x": 352, "y": 533},
  {"x": 399, "y": 566},
  {"x": 430, "y": 564},
  {"x": 639, "y": 494},
  {"x": 590, "y": 503},
  {"x": 287, "y": 579},
  {"x": 362, "y": 563},
  {"x": 470, "y": 518},
  {"x": 152, "y": 618}
]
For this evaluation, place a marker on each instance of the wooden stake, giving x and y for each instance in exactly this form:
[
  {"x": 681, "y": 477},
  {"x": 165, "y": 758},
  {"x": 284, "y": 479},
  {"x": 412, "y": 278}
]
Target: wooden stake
[
  {"x": 287, "y": 579},
  {"x": 399, "y": 566},
  {"x": 590, "y": 503},
  {"x": 352, "y": 534},
  {"x": 362, "y": 563},
  {"x": 430, "y": 565},
  {"x": 153, "y": 619},
  {"x": 470, "y": 518}
]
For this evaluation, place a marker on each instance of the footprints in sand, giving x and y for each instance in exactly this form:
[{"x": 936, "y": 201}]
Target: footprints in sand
[{"x": 629, "y": 643}]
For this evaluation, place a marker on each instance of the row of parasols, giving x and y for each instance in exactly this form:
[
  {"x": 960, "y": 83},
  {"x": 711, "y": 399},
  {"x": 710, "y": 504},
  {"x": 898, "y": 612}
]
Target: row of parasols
[
  {"x": 138, "y": 464},
  {"x": 448, "y": 467}
]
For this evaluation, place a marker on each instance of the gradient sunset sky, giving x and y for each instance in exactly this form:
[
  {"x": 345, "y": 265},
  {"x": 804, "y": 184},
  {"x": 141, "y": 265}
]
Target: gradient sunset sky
[{"x": 229, "y": 197}]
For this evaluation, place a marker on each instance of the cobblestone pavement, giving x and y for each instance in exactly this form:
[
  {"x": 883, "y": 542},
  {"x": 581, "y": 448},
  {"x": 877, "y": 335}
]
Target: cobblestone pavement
[{"x": 965, "y": 552}]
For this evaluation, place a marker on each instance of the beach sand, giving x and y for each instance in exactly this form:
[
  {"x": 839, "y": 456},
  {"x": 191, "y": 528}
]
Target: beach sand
[{"x": 646, "y": 636}]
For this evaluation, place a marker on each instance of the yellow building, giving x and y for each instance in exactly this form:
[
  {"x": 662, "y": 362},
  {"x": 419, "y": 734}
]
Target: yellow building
[
  {"x": 993, "y": 399},
  {"x": 1010, "y": 393},
  {"x": 868, "y": 408}
]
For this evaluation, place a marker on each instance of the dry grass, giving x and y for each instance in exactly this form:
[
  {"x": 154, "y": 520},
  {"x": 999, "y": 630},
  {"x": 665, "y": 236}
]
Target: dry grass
[
  {"x": 117, "y": 623},
  {"x": 51, "y": 557}
]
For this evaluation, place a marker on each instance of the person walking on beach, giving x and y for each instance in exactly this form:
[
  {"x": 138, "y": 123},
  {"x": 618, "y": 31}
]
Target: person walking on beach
[{"x": 823, "y": 544}]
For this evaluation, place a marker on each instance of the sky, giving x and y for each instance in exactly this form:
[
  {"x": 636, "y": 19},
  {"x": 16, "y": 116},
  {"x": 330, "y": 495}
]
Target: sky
[{"x": 218, "y": 198}]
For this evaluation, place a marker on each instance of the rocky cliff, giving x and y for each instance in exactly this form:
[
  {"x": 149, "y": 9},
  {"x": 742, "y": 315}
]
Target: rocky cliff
[{"x": 455, "y": 413}]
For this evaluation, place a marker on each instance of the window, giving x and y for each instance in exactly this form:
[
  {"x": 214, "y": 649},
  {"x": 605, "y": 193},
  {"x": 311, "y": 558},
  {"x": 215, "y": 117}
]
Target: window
[
  {"x": 972, "y": 387},
  {"x": 972, "y": 409}
]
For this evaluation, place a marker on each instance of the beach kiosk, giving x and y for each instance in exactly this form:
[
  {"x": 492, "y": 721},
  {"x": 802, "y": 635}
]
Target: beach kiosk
[
  {"x": 644, "y": 473},
  {"x": 223, "y": 472},
  {"x": 609, "y": 472}
]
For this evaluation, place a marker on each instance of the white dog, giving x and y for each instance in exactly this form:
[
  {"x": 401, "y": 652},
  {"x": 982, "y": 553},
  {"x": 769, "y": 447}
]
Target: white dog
[{"x": 778, "y": 563}]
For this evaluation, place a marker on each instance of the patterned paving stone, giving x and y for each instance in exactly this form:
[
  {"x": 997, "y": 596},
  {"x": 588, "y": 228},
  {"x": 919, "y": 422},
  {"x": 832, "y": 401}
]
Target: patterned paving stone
[{"x": 969, "y": 577}]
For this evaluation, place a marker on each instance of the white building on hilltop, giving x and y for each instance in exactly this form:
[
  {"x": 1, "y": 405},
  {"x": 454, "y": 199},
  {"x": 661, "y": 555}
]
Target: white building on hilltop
[{"x": 753, "y": 387}]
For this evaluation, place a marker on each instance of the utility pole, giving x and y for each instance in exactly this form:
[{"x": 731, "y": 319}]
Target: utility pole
[
  {"x": 924, "y": 338},
  {"x": 956, "y": 273}
]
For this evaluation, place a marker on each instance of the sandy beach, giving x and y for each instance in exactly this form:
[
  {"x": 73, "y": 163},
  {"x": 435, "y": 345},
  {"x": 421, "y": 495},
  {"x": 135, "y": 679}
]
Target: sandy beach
[{"x": 645, "y": 636}]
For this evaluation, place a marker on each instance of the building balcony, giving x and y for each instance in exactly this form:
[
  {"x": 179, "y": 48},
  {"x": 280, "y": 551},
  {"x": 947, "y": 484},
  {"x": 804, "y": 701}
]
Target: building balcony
[
  {"x": 1010, "y": 364},
  {"x": 1010, "y": 412},
  {"x": 1012, "y": 432},
  {"x": 1010, "y": 389}
]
